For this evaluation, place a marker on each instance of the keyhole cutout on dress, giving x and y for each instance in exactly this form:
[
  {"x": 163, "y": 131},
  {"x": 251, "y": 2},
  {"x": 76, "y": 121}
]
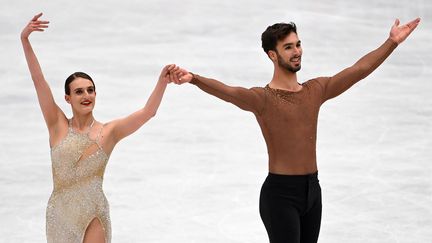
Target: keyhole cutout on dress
[
  {"x": 88, "y": 152},
  {"x": 94, "y": 135}
]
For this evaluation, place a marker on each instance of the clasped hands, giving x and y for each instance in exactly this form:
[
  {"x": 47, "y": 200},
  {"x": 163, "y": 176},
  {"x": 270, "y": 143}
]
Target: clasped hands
[{"x": 174, "y": 74}]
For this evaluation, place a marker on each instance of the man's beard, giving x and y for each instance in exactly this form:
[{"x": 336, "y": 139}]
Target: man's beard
[{"x": 285, "y": 65}]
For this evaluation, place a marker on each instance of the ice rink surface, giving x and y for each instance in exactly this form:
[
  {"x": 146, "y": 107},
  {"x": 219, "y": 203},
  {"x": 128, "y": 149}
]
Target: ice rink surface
[{"x": 193, "y": 174}]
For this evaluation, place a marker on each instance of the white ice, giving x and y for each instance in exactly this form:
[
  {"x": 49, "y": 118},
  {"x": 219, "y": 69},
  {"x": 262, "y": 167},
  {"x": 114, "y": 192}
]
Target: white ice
[{"x": 193, "y": 174}]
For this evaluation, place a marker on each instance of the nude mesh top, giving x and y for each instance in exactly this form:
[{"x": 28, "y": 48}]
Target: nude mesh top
[{"x": 288, "y": 120}]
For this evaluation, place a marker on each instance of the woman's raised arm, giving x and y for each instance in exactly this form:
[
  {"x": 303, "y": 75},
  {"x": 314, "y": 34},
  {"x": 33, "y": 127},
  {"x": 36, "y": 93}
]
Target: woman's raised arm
[{"x": 51, "y": 112}]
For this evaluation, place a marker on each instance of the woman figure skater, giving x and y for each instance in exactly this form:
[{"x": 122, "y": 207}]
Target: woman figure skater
[{"x": 77, "y": 210}]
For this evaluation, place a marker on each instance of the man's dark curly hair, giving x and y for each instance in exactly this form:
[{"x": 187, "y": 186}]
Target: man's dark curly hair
[{"x": 275, "y": 33}]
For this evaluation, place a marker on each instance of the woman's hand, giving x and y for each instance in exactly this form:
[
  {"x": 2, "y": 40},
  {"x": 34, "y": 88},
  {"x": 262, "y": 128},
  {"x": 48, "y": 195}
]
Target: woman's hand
[
  {"x": 180, "y": 76},
  {"x": 168, "y": 72},
  {"x": 34, "y": 25}
]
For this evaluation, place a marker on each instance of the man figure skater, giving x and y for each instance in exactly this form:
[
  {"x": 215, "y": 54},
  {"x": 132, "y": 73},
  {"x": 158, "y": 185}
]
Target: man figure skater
[{"x": 287, "y": 112}]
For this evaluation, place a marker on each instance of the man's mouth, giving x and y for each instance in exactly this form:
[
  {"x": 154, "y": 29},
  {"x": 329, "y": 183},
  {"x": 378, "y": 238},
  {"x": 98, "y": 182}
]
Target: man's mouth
[{"x": 296, "y": 59}]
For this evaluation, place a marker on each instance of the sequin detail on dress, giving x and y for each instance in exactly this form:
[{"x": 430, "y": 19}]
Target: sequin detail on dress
[{"x": 77, "y": 197}]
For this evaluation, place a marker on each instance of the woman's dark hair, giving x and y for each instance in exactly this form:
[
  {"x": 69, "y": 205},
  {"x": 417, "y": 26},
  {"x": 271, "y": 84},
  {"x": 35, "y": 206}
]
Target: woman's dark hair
[
  {"x": 74, "y": 76},
  {"x": 275, "y": 33}
]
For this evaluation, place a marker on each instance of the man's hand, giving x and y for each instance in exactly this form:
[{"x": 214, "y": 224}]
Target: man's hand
[
  {"x": 180, "y": 76},
  {"x": 399, "y": 33}
]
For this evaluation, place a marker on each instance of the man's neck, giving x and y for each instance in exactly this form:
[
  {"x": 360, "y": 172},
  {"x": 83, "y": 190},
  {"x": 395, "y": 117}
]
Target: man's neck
[{"x": 285, "y": 80}]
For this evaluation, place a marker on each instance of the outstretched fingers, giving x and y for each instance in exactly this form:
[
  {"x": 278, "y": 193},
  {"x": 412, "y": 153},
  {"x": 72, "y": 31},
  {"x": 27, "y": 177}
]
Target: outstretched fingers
[
  {"x": 409, "y": 27},
  {"x": 413, "y": 24},
  {"x": 37, "y": 16},
  {"x": 396, "y": 23},
  {"x": 34, "y": 25},
  {"x": 37, "y": 25},
  {"x": 399, "y": 33},
  {"x": 40, "y": 22}
]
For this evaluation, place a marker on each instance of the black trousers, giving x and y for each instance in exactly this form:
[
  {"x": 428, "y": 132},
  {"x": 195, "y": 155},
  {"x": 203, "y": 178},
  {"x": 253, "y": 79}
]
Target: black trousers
[{"x": 290, "y": 208}]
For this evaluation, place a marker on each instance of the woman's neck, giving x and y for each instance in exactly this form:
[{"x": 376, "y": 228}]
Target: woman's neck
[{"x": 82, "y": 122}]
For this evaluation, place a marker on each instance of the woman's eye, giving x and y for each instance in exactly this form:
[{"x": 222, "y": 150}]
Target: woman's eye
[
  {"x": 90, "y": 90},
  {"x": 78, "y": 92}
]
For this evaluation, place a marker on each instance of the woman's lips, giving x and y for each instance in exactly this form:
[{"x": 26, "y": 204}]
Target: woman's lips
[{"x": 86, "y": 103}]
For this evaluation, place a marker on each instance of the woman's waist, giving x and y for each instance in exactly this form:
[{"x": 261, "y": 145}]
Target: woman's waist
[{"x": 78, "y": 184}]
